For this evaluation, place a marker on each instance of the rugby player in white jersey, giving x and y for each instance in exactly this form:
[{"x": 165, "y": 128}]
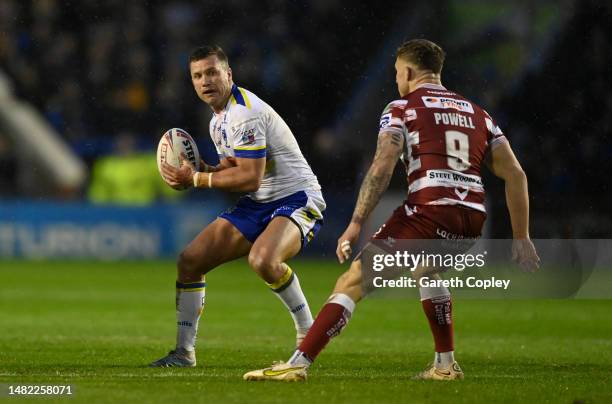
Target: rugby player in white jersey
[{"x": 280, "y": 213}]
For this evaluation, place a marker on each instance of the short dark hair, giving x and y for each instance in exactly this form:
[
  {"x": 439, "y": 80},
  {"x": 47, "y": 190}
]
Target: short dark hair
[
  {"x": 425, "y": 54},
  {"x": 205, "y": 51}
]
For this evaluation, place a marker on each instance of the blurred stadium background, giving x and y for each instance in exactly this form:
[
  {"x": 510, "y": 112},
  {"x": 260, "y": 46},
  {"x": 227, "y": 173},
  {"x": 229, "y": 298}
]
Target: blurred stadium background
[{"x": 87, "y": 88}]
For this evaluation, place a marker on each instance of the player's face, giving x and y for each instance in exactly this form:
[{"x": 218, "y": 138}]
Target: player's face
[
  {"x": 402, "y": 77},
  {"x": 212, "y": 81}
]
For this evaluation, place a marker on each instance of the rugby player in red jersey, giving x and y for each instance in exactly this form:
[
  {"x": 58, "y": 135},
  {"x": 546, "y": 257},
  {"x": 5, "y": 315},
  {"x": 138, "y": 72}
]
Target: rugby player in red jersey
[{"x": 443, "y": 140}]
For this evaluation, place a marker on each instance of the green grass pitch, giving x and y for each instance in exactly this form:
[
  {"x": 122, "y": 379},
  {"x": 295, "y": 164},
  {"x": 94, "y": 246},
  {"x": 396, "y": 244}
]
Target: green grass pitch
[{"x": 96, "y": 326}]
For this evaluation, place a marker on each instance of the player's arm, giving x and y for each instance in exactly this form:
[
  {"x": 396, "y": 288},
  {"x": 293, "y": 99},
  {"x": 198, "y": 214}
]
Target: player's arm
[
  {"x": 225, "y": 162},
  {"x": 244, "y": 176},
  {"x": 504, "y": 164},
  {"x": 375, "y": 183},
  {"x": 245, "y": 170},
  {"x": 379, "y": 174}
]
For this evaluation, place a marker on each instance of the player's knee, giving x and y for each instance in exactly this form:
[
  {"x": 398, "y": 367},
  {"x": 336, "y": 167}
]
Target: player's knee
[
  {"x": 260, "y": 261},
  {"x": 345, "y": 281},
  {"x": 264, "y": 264},
  {"x": 188, "y": 264}
]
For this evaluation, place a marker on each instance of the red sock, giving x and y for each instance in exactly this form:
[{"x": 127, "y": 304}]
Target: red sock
[
  {"x": 332, "y": 318},
  {"x": 439, "y": 313}
]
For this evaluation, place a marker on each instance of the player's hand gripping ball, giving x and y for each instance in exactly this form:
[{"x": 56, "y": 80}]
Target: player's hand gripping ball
[{"x": 175, "y": 150}]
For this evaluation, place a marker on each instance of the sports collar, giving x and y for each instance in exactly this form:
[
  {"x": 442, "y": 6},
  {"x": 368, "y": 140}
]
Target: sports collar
[
  {"x": 233, "y": 92},
  {"x": 431, "y": 85}
]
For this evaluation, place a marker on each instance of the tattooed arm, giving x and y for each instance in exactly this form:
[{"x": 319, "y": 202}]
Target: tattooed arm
[{"x": 376, "y": 181}]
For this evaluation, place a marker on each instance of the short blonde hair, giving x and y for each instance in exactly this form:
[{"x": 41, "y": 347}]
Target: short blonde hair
[{"x": 424, "y": 54}]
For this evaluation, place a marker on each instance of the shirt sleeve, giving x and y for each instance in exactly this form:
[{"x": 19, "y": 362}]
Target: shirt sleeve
[
  {"x": 249, "y": 137},
  {"x": 495, "y": 136},
  {"x": 392, "y": 117}
]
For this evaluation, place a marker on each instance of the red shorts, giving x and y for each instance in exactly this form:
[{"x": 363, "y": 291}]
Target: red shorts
[{"x": 432, "y": 222}]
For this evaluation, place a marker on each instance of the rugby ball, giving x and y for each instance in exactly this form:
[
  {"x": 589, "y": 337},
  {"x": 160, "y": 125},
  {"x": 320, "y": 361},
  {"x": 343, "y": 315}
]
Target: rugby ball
[{"x": 172, "y": 144}]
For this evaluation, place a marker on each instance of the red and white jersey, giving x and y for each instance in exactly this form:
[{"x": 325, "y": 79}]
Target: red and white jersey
[{"x": 446, "y": 139}]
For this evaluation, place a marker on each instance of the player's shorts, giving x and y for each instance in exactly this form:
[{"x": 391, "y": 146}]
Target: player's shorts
[
  {"x": 414, "y": 227},
  {"x": 304, "y": 208},
  {"x": 452, "y": 222}
]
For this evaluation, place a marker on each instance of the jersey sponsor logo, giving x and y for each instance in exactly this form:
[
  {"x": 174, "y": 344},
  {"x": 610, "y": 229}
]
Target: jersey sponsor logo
[
  {"x": 224, "y": 136},
  {"x": 448, "y": 103},
  {"x": 385, "y": 120},
  {"x": 448, "y": 179},
  {"x": 450, "y": 236},
  {"x": 248, "y": 136},
  {"x": 454, "y": 178},
  {"x": 220, "y": 135}
]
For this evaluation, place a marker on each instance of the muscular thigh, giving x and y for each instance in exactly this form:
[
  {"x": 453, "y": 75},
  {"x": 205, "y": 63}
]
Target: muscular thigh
[{"x": 218, "y": 243}]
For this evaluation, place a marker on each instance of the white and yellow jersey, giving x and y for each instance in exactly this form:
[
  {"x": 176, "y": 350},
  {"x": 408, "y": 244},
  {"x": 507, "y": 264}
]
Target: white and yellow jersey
[{"x": 250, "y": 128}]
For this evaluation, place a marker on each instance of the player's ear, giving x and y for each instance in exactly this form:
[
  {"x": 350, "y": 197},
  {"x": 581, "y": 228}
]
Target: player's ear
[
  {"x": 229, "y": 73},
  {"x": 410, "y": 73}
]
